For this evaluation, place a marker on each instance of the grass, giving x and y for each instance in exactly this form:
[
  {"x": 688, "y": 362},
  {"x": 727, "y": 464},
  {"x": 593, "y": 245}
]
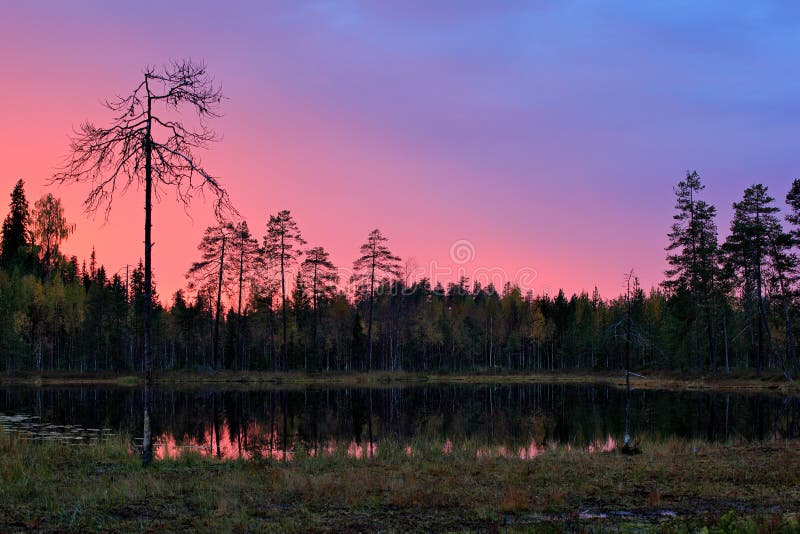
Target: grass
[
  {"x": 741, "y": 381},
  {"x": 734, "y": 487}
]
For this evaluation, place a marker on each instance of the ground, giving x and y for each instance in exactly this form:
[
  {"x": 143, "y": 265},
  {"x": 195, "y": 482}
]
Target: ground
[{"x": 670, "y": 485}]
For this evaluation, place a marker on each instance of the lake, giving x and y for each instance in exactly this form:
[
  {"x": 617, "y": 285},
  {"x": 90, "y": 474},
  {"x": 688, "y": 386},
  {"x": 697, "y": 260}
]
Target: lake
[{"x": 519, "y": 420}]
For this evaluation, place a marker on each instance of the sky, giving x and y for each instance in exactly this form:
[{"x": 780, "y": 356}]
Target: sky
[{"x": 531, "y": 141}]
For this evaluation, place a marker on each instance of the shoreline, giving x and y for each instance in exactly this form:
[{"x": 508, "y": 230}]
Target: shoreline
[{"x": 739, "y": 382}]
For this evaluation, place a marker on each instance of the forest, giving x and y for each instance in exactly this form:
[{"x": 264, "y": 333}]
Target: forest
[{"x": 273, "y": 303}]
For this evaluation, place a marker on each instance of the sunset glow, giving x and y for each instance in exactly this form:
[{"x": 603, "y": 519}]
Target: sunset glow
[
  {"x": 399, "y": 265},
  {"x": 545, "y": 135},
  {"x": 222, "y": 444}
]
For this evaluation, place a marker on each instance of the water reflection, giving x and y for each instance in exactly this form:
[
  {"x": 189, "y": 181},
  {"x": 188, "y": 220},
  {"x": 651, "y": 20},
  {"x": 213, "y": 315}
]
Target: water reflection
[
  {"x": 226, "y": 445},
  {"x": 31, "y": 426},
  {"x": 508, "y": 420}
]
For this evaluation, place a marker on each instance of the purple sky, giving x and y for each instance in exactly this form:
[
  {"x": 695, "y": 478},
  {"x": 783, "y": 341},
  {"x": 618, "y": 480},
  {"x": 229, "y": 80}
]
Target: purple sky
[{"x": 548, "y": 134}]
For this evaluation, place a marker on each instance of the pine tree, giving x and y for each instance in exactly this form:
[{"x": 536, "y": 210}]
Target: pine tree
[
  {"x": 210, "y": 271},
  {"x": 693, "y": 253},
  {"x": 747, "y": 250},
  {"x": 244, "y": 256},
  {"x": 789, "y": 264},
  {"x": 16, "y": 227},
  {"x": 376, "y": 260},
  {"x": 782, "y": 278},
  {"x": 320, "y": 278},
  {"x": 793, "y": 217},
  {"x": 282, "y": 246},
  {"x": 301, "y": 307},
  {"x": 246, "y": 259}
]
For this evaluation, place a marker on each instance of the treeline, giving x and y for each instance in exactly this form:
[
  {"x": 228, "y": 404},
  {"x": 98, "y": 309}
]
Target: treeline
[{"x": 278, "y": 304}]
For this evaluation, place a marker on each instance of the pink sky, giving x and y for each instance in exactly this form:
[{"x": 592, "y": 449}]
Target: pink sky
[{"x": 548, "y": 138}]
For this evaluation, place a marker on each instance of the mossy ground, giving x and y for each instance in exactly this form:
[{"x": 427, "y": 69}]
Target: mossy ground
[{"x": 672, "y": 485}]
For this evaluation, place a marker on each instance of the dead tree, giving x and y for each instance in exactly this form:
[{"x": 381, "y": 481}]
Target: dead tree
[{"x": 146, "y": 144}]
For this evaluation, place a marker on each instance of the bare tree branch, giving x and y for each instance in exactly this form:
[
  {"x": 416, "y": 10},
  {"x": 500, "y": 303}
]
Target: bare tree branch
[{"x": 111, "y": 159}]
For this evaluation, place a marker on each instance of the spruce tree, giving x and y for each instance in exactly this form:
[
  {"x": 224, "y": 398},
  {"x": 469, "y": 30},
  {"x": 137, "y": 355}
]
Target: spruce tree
[{"x": 16, "y": 232}]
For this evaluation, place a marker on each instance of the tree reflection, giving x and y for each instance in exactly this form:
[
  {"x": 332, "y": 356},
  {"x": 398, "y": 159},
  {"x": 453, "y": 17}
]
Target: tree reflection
[{"x": 529, "y": 418}]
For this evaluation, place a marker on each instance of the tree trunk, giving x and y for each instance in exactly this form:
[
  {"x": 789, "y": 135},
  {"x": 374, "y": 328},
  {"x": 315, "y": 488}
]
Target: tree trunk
[
  {"x": 284, "y": 349},
  {"x": 712, "y": 339},
  {"x": 791, "y": 350},
  {"x": 761, "y": 326},
  {"x": 215, "y": 342},
  {"x": 317, "y": 359},
  {"x": 241, "y": 280},
  {"x": 725, "y": 336},
  {"x": 147, "y": 441},
  {"x": 239, "y": 318},
  {"x": 371, "y": 304},
  {"x": 762, "y": 321}
]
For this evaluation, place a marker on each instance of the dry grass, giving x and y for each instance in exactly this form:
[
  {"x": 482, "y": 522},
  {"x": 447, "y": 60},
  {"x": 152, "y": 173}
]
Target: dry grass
[{"x": 103, "y": 487}]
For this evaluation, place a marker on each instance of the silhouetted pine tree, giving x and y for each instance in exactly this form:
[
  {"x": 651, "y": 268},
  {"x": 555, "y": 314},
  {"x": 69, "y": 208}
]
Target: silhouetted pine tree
[
  {"x": 375, "y": 263},
  {"x": 282, "y": 247},
  {"x": 693, "y": 259},
  {"x": 16, "y": 235}
]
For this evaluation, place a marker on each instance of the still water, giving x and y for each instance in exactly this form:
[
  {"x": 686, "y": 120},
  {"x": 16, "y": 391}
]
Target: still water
[{"x": 519, "y": 420}]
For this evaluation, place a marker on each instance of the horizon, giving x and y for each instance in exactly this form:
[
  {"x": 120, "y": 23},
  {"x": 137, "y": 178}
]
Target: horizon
[{"x": 459, "y": 125}]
